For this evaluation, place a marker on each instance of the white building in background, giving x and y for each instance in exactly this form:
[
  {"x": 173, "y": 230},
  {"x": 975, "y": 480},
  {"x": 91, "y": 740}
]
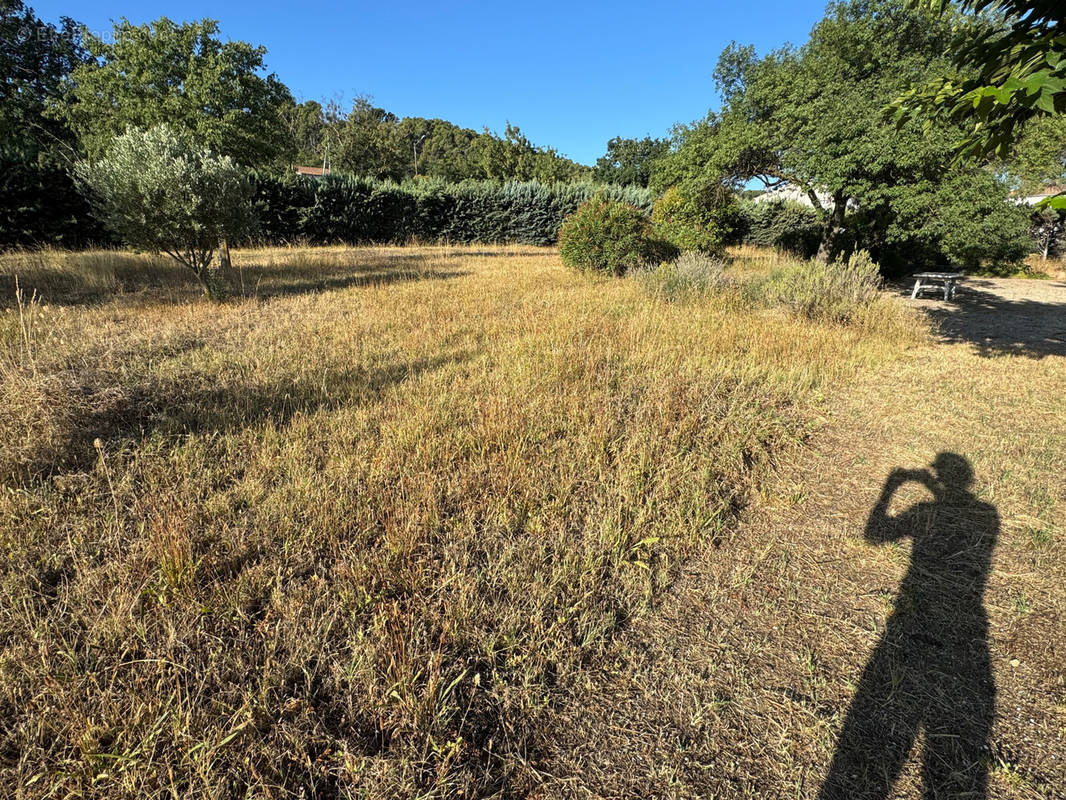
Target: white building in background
[
  {"x": 788, "y": 192},
  {"x": 1033, "y": 199}
]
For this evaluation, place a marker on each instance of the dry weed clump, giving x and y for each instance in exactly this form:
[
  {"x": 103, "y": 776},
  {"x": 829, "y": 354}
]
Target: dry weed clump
[
  {"x": 846, "y": 292},
  {"x": 351, "y": 532},
  {"x": 690, "y": 274}
]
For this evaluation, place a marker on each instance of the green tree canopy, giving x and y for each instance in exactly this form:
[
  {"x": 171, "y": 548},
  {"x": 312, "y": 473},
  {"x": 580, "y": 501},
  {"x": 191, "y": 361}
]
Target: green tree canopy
[
  {"x": 1008, "y": 67},
  {"x": 369, "y": 142},
  {"x": 813, "y": 117},
  {"x": 436, "y": 148},
  {"x": 312, "y": 130},
  {"x": 1038, "y": 158},
  {"x": 36, "y": 59},
  {"x": 629, "y": 162},
  {"x": 182, "y": 75},
  {"x": 376, "y": 143}
]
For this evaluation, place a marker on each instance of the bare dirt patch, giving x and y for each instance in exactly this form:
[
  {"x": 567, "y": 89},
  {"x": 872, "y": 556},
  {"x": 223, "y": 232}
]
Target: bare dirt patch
[{"x": 998, "y": 315}]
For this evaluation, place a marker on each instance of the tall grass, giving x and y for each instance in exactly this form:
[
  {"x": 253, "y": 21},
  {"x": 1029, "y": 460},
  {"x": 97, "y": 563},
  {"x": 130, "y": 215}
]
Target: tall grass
[
  {"x": 72, "y": 276},
  {"x": 352, "y": 533},
  {"x": 692, "y": 273}
]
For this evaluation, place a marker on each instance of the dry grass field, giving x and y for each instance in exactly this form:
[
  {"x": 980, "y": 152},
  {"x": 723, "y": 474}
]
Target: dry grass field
[
  {"x": 1053, "y": 267},
  {"x": 456, "y": 522}
]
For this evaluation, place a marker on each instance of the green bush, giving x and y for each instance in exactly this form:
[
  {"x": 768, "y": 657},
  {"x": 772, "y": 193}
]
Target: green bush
[
  {"x": 831, "y": 291},
  {"x": 611, "y": 238},
  {"x": 158, "y": 191},
  {"x": 783, "y": 225},
  {"x": 688, "y": 223}
]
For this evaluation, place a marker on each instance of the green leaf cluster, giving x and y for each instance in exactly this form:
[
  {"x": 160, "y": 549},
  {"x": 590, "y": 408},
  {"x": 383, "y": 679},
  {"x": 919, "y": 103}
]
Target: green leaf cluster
[
  {"x": 41, "y": 205},
  {"x": 374, "y": 143},
  {"x": 182, "y": 75},
  {"x": 1008, "y": 67},
  {"x": 697, "y": 223},
  {"x": 36, "y": 61},
  {"x": 630, "y": 162}
]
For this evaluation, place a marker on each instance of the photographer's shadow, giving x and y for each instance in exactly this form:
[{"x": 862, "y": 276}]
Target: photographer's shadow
[{"x": 931, "y": 671}]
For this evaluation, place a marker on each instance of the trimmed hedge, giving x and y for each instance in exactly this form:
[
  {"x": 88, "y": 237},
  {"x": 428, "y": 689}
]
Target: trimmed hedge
[
  {"x": 339, "y": 209},
  {"x": 42, "y": 206}
]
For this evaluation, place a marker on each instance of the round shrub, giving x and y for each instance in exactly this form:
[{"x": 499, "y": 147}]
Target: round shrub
[
  {"x": 689, "y": 223},
  {"x": 610, "y": 238}
]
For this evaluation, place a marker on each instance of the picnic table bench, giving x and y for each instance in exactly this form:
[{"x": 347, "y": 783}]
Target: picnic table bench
[{"x": 948, "y": 282}]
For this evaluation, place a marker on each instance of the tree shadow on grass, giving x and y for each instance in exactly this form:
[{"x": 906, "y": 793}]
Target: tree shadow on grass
[
  {"x": 546, "y": 251},
  {"x": 996, "y": 322},
  {"x": 334, "y": 280},
  {"x": 189, "y": 404},
  {"x": 162, "y": 281},
  {"x": 930, "y": 674}
]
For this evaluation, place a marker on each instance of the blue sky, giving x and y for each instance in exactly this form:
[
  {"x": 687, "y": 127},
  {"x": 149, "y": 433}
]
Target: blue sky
[{"x": 570, "y": 75}]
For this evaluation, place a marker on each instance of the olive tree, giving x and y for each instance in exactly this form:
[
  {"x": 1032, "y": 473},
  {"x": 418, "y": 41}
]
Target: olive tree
[{"x": 157, "y": 191}]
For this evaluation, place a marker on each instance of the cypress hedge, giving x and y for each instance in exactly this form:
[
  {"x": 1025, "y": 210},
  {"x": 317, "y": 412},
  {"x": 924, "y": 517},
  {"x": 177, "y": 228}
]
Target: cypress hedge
[
  {"x": 345, "y": 210},
  {"x": 40, "y": 205},
  {"x": 43, "y": 206}
]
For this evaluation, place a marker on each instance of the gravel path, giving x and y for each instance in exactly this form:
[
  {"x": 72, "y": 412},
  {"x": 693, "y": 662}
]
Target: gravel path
[{"x": 1002, "y": 315}]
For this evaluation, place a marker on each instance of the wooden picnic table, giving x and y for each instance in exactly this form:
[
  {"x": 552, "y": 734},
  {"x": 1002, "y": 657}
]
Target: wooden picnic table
[{"x": 948, "y": 282}]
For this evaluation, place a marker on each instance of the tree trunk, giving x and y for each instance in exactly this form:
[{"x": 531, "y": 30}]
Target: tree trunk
[
  {"x": 223, "y": 256},
  {"x": 834, "y": 227}
]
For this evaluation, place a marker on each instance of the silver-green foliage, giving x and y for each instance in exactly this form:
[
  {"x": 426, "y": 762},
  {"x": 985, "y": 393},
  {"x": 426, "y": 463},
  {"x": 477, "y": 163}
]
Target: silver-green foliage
[
  {"x": 690, "y": 274},
  {"x": 828, "y": 291},
  {"x": 159, "y": 192}
]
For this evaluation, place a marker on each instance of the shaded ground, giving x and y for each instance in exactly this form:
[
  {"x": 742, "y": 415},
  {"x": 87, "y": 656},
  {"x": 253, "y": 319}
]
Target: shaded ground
[
  {"x": 806, "y": 656},
  {"x": 999, "y": 315}
]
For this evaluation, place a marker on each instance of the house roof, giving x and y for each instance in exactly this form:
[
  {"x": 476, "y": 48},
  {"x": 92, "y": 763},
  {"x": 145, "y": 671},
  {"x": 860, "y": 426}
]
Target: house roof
[
  {"x": 1044, "y": 191},
  {"x": 1033, "y": 197},
  {"x": 318, "y": 171}
]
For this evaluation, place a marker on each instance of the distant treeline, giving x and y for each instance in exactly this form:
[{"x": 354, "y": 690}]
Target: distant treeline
[{"x": 66, "y": 93}]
